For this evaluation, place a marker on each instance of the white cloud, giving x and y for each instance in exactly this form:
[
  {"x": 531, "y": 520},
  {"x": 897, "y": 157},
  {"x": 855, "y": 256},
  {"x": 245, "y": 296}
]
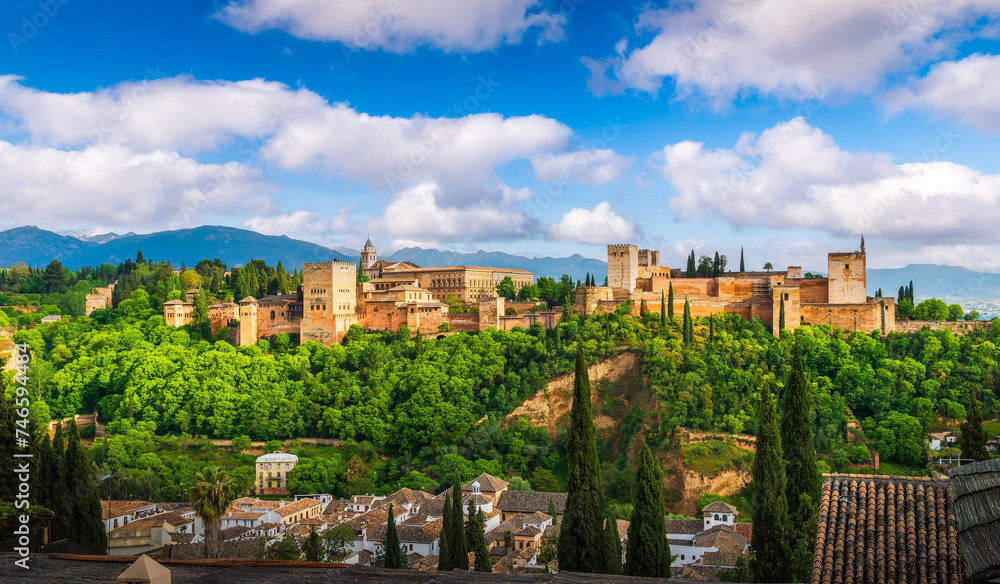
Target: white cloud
[
  {"x": 418, "y": 214},
  {"x": 292, "y": 224},
  {"x": 601, "y": 226},
  {"x": 399, "y": 25},
  {"x": 342, "y": 220},
  {"x": 295, "y": 129},
  {"x": 589, "y": 167},
  {"x": 117, "y": 187},
  {"x": 794, "y": 175},
  {"x": 966, "y": 90},
  {"x": 715, "y": 48}
]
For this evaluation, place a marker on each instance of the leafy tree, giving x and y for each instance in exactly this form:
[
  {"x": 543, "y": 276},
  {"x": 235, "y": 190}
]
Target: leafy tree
[
  {"x": 648, "y": 551},
  {"x": 55, "y": 278},
  {"x": 286, "y": 548},
  {"x": 802, "y": 490},
  {"x": 544, "y": 480},
  {"x": 770, "y": 505},
  {"x": 931, "y": 309},
  {"x": 955, "y": 312},
  {"x": 210, "y": 495},
  {"x": 506, "y": 288},
  {"x": 973, "y": 438},
  {"x": 971, "y": 315},
  {"x": 394, "y": 556},
  {"x": 338, "y": 542},
  {"x": 581, "y": 547},
  {"x": 768, "y": 267}
]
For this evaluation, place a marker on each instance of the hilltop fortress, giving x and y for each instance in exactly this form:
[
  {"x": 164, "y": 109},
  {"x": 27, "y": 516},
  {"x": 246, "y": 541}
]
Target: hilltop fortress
[
  {"x": 404, "y": 294},
  {"x": 839, "y": 300}
]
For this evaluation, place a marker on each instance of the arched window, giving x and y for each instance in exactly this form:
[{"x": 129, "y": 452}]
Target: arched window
[
  {"x": 716, "y": 517},
  {"x": 272, "y": 315},
  {"x": 725, "y": 518}
]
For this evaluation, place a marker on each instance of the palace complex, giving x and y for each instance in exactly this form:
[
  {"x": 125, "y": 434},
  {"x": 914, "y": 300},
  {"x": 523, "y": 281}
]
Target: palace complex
[{"x": 446, "y": 299}]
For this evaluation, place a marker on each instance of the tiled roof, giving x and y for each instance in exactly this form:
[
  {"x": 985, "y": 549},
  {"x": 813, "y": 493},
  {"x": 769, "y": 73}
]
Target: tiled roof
[
  {"x": 723, "y": 538},
  {"x": 297, "y": 506},
  {"x": 181, "y": 537},
  {"x": 512, "y": 525},
  {"x": 537, "y": 517},
  {"x": 551, "y": 532},
  {"x": 233, "y": 532},
  {"x": 745, "y": 529},
  {"x": 120, "y": 508},
  {"x": 691, "y": 526},
  {"x": 530, "y": 501},
  {"x": 487, "y": 483},
  {"x": 622, "y": 528},
  {"x": 336, "y": 506},
  {"x": 975, "y": 492},
  {"x": 241, "y": 515},
  {"x": 719, "y": 507},
  {"x": 529, "y": 531},
  {"x": 718, "y": 559},
  {"x": 885, "y": 530}
]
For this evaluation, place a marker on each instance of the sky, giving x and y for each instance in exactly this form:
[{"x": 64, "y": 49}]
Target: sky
[{"x": 541, "y": 128}]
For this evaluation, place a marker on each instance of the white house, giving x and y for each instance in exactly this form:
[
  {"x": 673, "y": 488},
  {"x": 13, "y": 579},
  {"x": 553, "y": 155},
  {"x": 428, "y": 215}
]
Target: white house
[
  {"x": 691, "y": 539},
  {"x": 941, "y": 440}
]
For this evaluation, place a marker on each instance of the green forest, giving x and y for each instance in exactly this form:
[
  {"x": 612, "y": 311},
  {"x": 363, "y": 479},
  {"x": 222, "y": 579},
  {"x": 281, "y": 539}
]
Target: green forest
[{"x": 412, "y": 411}]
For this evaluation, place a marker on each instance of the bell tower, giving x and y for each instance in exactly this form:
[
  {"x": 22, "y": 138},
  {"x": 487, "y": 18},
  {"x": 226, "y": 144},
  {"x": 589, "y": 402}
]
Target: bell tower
[{"x": 368, "y": 255}]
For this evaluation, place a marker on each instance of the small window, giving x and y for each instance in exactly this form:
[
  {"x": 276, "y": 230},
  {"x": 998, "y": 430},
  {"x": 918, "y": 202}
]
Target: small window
[
  {"x": 847, "y": 266},
  {"x": 272, "y": 315},
  {"x": 786, "y": 296}
]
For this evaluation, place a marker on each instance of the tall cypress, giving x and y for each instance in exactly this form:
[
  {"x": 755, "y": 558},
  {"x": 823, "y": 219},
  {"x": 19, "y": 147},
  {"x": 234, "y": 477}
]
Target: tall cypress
[
  {"x": 692, "y": 267},
  {"x": 612, "y": 547},
  {"x": 670, "y": 302},
  {"x": 688, "y": 323},
  {"x": 770, "y": 505},
  {"x": 973, "y": 442},
  {"x": 85, "y": 506},
  {"x": 444, "y": 551},
  {"x": 803, "y": 486},
  {"x": 478, "y": 545},
  {"x": 393, "y": 553},
  {"x": 743, "y": 267},
  {"x": 8, "y": 486},
  {"x": 648, "y": 551},
  {"x": 711, "y": 327},
  {"x": 459, "y": 545},
  {"x": 663, "y": 311},
  {"x": 580, "y": 542},
  {"x": 781, "y": 315},
  {"x": 63, "y": 526}
]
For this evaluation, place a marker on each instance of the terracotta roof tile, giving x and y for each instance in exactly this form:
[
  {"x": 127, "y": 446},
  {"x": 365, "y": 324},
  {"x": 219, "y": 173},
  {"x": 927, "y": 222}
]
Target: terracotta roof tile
[{"x": 885, "y": 530}]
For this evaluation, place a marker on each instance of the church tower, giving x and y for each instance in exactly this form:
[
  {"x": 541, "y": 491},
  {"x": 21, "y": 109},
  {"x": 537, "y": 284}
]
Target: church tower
[{"x": 368, "y": 255}]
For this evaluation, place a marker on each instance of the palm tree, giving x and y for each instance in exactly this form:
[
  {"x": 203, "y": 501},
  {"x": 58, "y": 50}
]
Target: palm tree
[
  {"x": 210, "y": 495},
  {"x": 768, "y": 267}
]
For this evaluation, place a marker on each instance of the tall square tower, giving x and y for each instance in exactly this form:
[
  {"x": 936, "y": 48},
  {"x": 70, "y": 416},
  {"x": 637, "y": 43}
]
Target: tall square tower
[
  {"x": 623, "y": 266},
  {"x": 847, "y": 278},
  {"x": 329, "y": 299}
]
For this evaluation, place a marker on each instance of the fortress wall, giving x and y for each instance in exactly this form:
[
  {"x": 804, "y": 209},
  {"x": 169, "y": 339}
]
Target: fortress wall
[
  {"x": 959, "y": 327},
  {"x": 812, "y": 290},
  {"x": 852, "y": 317}
]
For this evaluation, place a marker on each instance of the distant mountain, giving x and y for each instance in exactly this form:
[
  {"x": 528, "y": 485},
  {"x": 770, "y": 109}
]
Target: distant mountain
[
  {"x": 576, "y": 265},
  {"x": 952, "y": 283},
  {"x": 38, "y": 247}
]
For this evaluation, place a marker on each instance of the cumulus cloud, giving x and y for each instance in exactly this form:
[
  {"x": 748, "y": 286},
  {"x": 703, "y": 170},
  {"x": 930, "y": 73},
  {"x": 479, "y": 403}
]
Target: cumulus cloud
[
  {"x": 794, "y": 175},
  {"x": 418, "y": 214},
  {"x": 715, "y": 48},
  {"x": 601, "y": 226},
  {"x": 589, "y": 167},
  {"x": 117, "y": 187},
  {"x": 297, "y": 130},
  {"x": 297, "y": 222},
  {"x": 399, "y": 25},
  {"x": 967, "y": 90}
]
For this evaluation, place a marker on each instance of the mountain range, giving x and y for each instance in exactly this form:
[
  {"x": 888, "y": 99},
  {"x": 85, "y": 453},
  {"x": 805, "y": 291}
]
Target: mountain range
[{"x": 37, "y": 247}]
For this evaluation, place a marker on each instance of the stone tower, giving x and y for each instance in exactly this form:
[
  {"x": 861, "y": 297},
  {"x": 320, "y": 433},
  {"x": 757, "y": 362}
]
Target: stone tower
[
  {"x": 847, "y": 278},
  {"x": 368, "y": 255},
  {"x": 248, "y": 321},
  {"x": 329, "y": 298},
  {"x": 623, "y": 266}
]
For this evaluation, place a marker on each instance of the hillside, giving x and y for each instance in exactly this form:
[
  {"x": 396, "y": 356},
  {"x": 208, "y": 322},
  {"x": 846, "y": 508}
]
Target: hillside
[{"x": 576, "y": 265}]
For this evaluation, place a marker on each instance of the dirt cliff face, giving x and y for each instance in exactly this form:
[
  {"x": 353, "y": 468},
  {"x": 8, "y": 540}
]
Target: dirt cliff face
[{"x": 550, "y": 407}]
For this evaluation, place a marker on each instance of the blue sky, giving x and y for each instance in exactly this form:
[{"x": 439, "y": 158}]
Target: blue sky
[{"x": 538, "y": 128}]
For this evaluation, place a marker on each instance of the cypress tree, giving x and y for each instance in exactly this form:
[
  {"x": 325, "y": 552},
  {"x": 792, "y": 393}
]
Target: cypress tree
[
  {"x": 63, "y": 526},
  {"x": 781, "y": 315},
  {"x": 444, "y": 553},
  {"x": 688, "y": 323},
  {"x": 580, "y": 542},
  {"x": 663, "y": 311},
  {"x": 692, "y": 267},
  {"x": 770, "y": 506},
  {"x": 711, "y": 327},
  {"x": 478, "y": 546},
  {"x": 743, "y": 267},
  {"x": 418, "y": 343},
  {"x": 393, "y": 553},
  {"x": 803, "y": 483},
  {"x": 648, "y": 551},
  {"x": 8, "y": 486},
  {"x": 670, "y": 302},
  {"x": 642, "y": 309},
  {"x": 86, "y": 507},
  {"x": 716, "y": 265},
  {"x": 612, "y": 547},
  {"x": 552, "y": 512},
  {"x": 973, "y": 442},
  {"x": 459, "y": 546}
]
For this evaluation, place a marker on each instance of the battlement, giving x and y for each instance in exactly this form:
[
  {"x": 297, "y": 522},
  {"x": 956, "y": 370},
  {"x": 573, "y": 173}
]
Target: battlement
[
  {"x": 622, "y": 248},
  {"x": 329, "y": 263}
]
